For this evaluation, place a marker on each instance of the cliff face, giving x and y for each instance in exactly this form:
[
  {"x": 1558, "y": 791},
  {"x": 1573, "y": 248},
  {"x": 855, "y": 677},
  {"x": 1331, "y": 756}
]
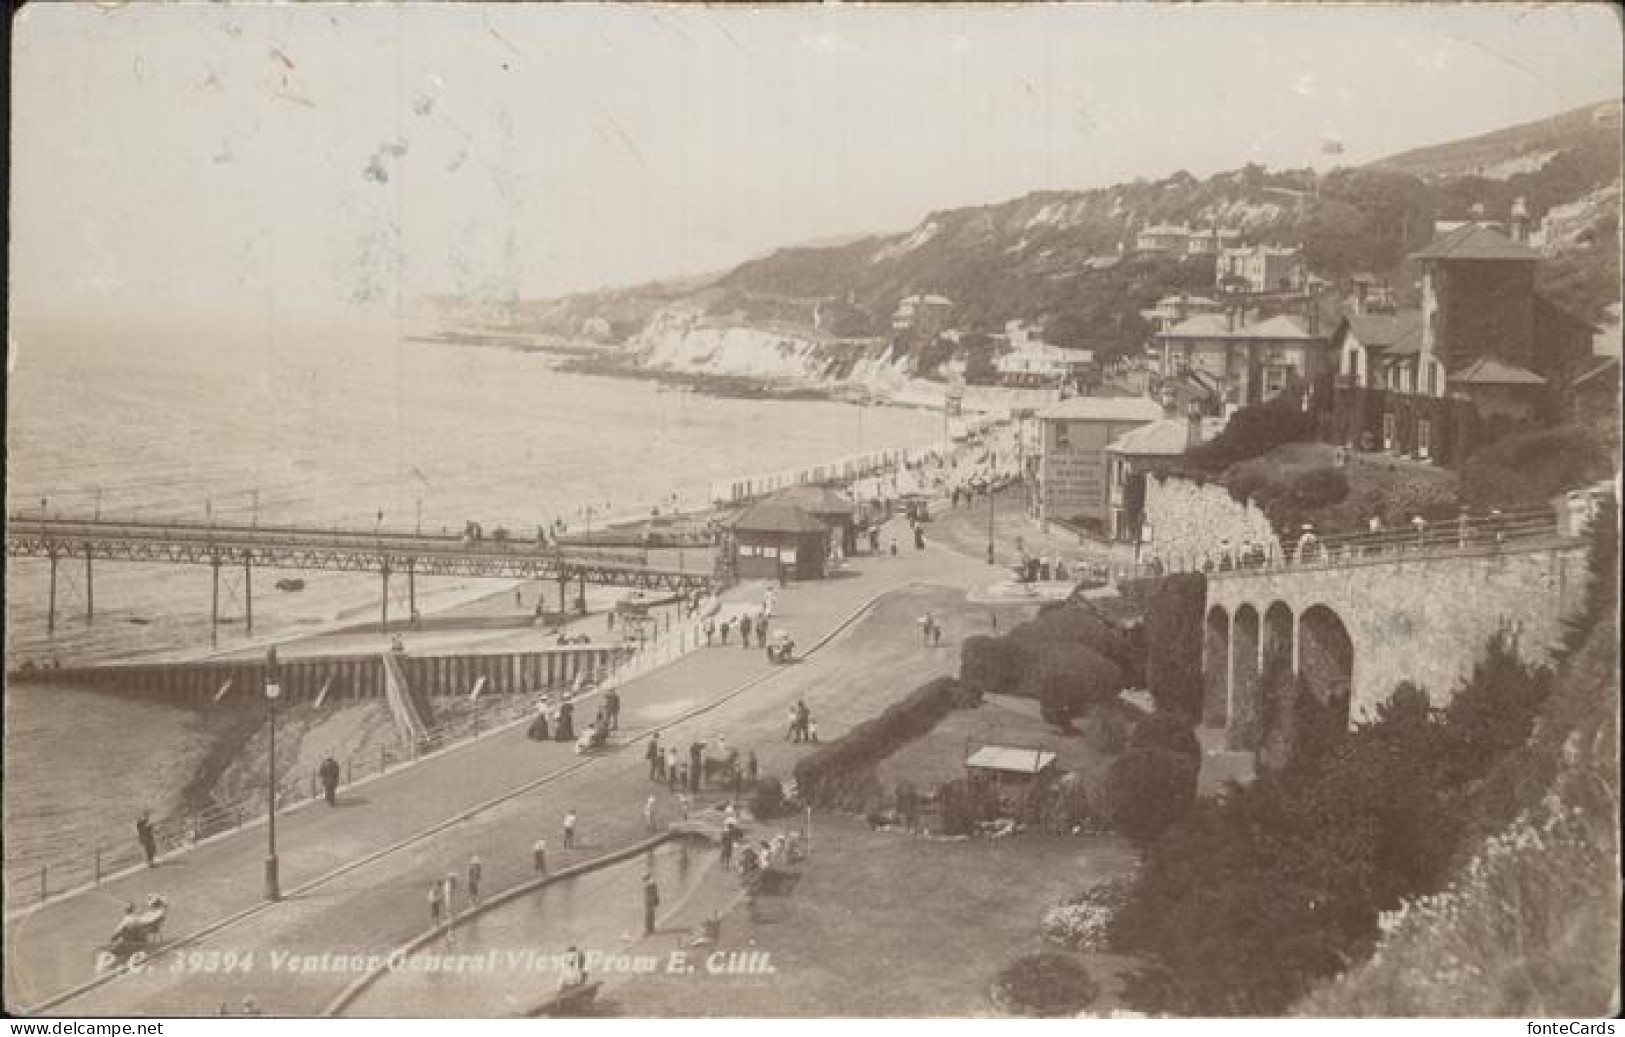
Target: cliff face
[{"x": 682, "y": 339}]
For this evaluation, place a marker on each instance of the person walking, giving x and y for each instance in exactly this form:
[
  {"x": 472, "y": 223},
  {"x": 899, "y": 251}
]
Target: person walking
[
  {"x": 761, "y": 631},
  {"x": 725, "y": 625},
  {"x": 656, "y": 758},
  {"x": 696, "y": 764},
  {"x": 793, "y": 727},
  {"x": 751, "y": 767},
  {"x": 144, "y": 835},
  {"x": 936, "y": 634},
  {"x": 671, "y": 768},
  {"x": 612, "y": 708},
  {"x": 649, "y": 814},
  {"x": 744, "y": 631},
  {"x": 329, "y": 773},
  {"x": 682, "y": 804},
  {"x": 538, "y": 856},
  {"x": 475, "y": 871},
  {"x": 437, "y": 904},
  {"x": 570, "y": 829},
  {"x": 710, "y": 630},
  {"x": 651, "y": 900}
]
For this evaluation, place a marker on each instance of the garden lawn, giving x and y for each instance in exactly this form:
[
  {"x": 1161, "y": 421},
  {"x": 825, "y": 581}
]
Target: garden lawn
[{"x": 887, "y": 924}]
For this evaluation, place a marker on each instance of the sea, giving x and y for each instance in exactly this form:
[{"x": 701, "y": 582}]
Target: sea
[{"x": 357, "y": 424}]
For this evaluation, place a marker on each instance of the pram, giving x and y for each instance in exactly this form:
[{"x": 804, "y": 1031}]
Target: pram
[{"x": 138, "y": 929}]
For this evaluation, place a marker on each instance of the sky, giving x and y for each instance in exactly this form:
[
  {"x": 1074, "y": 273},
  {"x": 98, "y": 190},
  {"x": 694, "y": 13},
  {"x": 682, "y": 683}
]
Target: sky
[{"x": 257, "y": 160}]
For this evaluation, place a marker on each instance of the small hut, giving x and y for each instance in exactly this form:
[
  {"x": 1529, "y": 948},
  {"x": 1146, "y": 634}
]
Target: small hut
[
  {"x": 1008, "y": 765},
  {"x": 779, "y": 542},
  {"x": 828, "y": 507}
]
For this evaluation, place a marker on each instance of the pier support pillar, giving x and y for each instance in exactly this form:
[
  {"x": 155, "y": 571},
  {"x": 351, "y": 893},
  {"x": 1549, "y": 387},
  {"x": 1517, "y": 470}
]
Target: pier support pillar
[
  {"x": 248, "y": 595},
  {"x": 384, "y": 613},
  {"x": 214, "y": 605},
  {"x": 50, "y": 606},
  {"x": 90, "y": 587},
  {"x": 564, "y": 589},
  {"x": 411, "y": 591}
]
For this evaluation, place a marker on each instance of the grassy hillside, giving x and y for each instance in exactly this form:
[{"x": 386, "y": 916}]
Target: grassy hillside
[{"x": 1065, "y": 257}]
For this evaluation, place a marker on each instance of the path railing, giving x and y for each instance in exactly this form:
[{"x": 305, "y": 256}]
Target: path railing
[
  {"x": 71, "y": 867},
  {"x": 1463, "y": 535}
]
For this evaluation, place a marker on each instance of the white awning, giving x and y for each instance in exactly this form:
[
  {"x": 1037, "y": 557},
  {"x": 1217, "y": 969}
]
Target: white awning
[{"x": 1014, "y": 761}]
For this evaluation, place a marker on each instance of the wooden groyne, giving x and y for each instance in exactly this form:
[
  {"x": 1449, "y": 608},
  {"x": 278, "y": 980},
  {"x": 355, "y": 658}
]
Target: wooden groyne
[{"x": 337, "y": 678}]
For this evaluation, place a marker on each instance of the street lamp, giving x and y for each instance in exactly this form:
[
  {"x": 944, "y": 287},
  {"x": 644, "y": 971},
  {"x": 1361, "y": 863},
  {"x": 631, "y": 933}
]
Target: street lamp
[
  {"x": 991, "y": 490},
  {"x": 273, "y": 691}
]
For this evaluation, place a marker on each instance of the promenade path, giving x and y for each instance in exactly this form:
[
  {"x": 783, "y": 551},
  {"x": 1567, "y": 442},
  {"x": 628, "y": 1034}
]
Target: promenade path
[{"x": 356, "y": 877}]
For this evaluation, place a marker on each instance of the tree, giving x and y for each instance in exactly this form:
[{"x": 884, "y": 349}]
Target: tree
[
  {"x": 1173, "y": 640},
  {"x": 1147, "y": 790},
  {"x": 1168, "y": 731}
]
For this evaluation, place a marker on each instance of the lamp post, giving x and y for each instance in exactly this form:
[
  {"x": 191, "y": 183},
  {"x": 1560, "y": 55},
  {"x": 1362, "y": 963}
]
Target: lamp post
[
  {"x": 992, "y": 489},
  {"x": 273, "y": 691}
]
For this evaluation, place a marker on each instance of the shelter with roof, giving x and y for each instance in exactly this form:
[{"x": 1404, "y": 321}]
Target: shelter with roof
[
  {"x": 1008, "y": 765},
  {"x": 1247, "y": 362},
  {"x": 778, "y": 541},
  {"x": 827, "y": 505}
]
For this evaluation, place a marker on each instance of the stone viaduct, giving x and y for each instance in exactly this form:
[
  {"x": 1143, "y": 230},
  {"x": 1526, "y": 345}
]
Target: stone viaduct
[{"x": 1357, "y": 628}]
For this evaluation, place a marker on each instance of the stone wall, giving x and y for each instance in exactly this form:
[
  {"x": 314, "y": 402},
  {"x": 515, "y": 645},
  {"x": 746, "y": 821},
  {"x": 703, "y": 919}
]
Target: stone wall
[
  {"x": 1425, "y": 620},
  {"x": 1187, "y": 521}
]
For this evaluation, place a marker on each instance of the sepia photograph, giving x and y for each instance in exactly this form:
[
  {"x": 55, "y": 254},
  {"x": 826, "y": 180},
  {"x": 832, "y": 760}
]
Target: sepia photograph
[{"x": 802, "y": 511}]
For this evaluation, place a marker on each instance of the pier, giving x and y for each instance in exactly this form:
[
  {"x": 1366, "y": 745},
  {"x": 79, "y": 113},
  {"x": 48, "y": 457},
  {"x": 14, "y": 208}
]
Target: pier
[{"x": 385, "y": 552}]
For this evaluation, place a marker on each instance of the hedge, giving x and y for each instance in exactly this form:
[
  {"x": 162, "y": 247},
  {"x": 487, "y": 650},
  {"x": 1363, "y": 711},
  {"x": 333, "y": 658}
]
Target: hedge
[
  {"x": 1173, "y": 635},
  {"x": 826, "y": 776},
  {"x": 1166, "y": 731}
]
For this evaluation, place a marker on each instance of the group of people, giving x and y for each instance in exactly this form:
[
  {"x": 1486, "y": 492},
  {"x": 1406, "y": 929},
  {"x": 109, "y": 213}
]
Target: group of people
[
  {"x": 930, "y": 630},
  {"x": 443, "y": 909},
  {"x": 668, "y": 765},
  {"x": 803, "y": 728}
]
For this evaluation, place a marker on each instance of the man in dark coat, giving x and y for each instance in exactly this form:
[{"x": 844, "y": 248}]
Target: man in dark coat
[
  {"x": 329, "y": 772},
  {"x": 656, "y": 758},
  {"x": 744, "y": 631},
  {"x": 696, "y": 765},
  {"x": 144, "y": 834},
  {"x": 651, "y": 900},
  {"x": 612, "y": 708}
]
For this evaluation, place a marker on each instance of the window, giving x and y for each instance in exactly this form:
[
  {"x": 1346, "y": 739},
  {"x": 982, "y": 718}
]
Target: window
[
  {"x": 1424, "y": 439},
  {"x": 1063, "y": 441},
  {"x": 1389, "y": 427},
  {"x": 1274, "y": 381}
]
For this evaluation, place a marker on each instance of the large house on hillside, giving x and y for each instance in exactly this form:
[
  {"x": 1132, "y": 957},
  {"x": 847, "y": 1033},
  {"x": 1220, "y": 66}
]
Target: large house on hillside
[
  {"x": 1246, "y": 363},
  {"x": 1258, "y": 269},
  {"x": 1169, "y": 240},
  {"x": 1483, "y": 346},
  {"x": 923, "y": 315}
]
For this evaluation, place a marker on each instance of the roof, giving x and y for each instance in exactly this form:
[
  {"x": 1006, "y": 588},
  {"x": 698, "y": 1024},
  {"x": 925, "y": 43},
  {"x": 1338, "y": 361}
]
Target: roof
[
  {"x": 1609, "y": 366},
  {"x": 1213, "y": 325},
  {"x": 1388, "y": 330},
  {"x": 1104, "y": 408},
  {"x": 1476, "y": 241},
  {"x": 813, "y": 499},
  {"x": 1005, "y": 758},
  {"x": 772, "y": 517},
  {"x": 1487, "y": 370},
  {"x": 1166, "y": 438}
]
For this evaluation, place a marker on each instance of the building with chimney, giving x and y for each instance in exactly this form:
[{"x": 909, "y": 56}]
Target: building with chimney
[
  {"x": 1132, "y": 455},
  {"x": 1483, "y": 347},
  {"x": 1246, "y": 362},
  {"x": 925, "y": 316}
]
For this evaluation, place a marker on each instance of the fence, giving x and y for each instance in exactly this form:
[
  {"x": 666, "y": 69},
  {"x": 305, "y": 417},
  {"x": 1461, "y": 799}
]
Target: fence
[
  {"x": 72, "y": 868},
  {"x": 1419, "y": 540}
]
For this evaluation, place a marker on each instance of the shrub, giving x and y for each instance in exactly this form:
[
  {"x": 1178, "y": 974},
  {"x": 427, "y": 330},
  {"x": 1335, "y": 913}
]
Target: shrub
[
  {"x": 991, "y": 665},
  {"x": 1070, "y": 680},
  {"x": 1173, "y": 637},
  {"x": 1043, "y": 984},
  {"x": 826, "y": 776},
  {"x": 1252, "y": 431},
  {"x": 965, "y": 804},
  {"x": 767, "y": 799},
  {"x": 1147, "y": 790},
  {"x": 1166, "y": 731},
  {"x": 1531, "y": 467}
]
